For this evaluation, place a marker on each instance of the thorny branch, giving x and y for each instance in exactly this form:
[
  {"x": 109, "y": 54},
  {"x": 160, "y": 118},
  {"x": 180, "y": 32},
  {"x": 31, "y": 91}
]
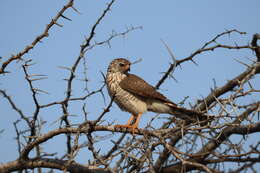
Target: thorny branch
[
  {"x": 38, "y": 39},
  {"x": 204, "y": 48},
  {"x": 34, "y": 92},
  {"x": 220, "y": 138}
]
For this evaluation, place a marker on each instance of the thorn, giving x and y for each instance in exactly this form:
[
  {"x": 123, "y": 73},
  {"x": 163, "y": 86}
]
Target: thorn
[
  {"x": 37, "y": 75},
  {"x": 194, "y": 62},
  {"x": 103, "y": 75},
  {"x": 39, "y": 90},
  {"x": 236, "y": 44},
  {"x": 27, "y": 61},
  {"x": 109, "y": 45},
  {"x": 214, "y": 83},
  {"x": 66, "y": 68},
  {"x": 65, "y": 17},
  {"x": 76, "y": 10},
  {"x": 250, "y": 85},
  {"x": 169, "y": 51},
  {"x": 137, "y": 61},
  {"x": 171, "y": 76},
  {"x": 38, "y": 79},
  {"x": 242, "y": 63},
  {"x": 60, "y": 25}
]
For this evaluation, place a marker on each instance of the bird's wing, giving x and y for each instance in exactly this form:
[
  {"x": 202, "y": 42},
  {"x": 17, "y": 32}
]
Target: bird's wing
[{"x": 138, "y": 86}]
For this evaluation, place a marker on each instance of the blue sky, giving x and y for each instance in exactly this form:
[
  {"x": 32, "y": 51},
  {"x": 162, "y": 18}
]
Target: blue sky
[{"x": 184, "y": 25}]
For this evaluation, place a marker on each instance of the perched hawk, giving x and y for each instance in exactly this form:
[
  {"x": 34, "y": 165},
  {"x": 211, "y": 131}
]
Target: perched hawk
[{"x": 134, "y": 95}]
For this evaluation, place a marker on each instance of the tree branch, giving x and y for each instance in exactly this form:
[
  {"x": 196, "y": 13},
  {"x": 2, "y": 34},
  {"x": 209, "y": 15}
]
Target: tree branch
[
  {"x": 37, "y": 39},
  {"x": 219, "y": 139},
  {"x": 48, "y": 163}
]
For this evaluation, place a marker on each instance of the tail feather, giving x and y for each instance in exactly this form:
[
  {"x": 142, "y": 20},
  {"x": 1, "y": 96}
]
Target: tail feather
[{"x": 189, "y": 115}]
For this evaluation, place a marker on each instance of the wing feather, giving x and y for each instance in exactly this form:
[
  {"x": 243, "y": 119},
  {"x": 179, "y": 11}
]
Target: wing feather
[{"x": 138, "y": 86}]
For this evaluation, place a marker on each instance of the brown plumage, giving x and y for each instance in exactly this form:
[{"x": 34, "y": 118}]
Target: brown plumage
[
  {"x": 136, "y": 96},
  {"x": 138, "y": 86}
]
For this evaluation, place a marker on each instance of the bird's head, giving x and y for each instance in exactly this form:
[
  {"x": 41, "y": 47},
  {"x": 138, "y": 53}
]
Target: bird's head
[{"x": 119, "y": 65}]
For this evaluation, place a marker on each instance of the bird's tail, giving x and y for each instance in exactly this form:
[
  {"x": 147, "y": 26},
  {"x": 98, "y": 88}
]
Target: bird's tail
[{"x": 190, "y": 115}]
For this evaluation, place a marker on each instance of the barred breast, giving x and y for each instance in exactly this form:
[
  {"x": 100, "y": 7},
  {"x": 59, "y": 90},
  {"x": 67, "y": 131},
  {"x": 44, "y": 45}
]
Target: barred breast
[{"x": 124, "y": 99}]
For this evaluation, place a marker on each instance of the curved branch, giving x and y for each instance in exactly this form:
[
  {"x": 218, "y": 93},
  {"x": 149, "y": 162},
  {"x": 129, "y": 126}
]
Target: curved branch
[
  {"x": 204, "y": 48},
  {"x": 85, "y": 130},
  {"x": 48, "y": 163}
]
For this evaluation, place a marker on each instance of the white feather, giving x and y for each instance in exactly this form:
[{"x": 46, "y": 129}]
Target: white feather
[{"x": 158, "y": 106}]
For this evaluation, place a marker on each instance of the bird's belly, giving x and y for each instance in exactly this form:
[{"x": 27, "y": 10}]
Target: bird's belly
[{"x": 130, "y": 103}]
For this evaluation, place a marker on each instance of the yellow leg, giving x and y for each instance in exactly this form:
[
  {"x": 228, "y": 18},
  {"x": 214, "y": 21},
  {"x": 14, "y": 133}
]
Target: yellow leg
[
  {"x": 130, "y": 120},
  {"x": 135, "y": 125},
  {"x": 128, "y": 125}
]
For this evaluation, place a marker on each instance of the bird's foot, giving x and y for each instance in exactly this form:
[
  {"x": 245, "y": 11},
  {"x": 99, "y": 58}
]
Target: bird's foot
[{"x": 133, "y": 127}]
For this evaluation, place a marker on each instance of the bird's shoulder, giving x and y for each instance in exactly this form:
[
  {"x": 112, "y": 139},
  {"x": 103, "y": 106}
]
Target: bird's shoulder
[
  {"x": 134, "y": 79},
  {"x": 136, "y": 85}
]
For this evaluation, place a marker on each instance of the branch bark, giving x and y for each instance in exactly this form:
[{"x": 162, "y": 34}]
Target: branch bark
[
  {"x": 207, "y": 149},
  {"x": 62, "y": 165}
]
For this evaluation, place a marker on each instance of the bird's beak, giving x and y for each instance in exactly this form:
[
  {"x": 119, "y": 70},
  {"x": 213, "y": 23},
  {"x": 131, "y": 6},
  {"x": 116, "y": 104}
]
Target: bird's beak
[{"x": 128, "y": 67}]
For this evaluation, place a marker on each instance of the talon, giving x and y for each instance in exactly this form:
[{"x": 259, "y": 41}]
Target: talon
[{"x": 128, "y": 125}]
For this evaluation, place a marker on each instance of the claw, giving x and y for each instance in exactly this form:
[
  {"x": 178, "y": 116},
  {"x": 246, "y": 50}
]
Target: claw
[{"x": 127, "y": 126}]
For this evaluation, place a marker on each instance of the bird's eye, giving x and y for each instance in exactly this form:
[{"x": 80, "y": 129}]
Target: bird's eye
[{"x": 121, "y": 64}]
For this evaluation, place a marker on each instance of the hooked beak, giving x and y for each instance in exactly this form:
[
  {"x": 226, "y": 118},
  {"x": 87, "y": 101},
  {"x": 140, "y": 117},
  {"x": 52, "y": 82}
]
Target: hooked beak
[{"x": 128, "y": 68}]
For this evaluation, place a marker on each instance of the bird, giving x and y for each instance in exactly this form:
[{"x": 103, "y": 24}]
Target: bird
[{"x": 134, "y": 95}]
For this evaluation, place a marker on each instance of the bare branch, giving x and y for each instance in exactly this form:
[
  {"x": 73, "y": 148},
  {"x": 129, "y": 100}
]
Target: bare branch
[
  {"x": 37, "y": 39},
  {"x": 48, "y": 163}
]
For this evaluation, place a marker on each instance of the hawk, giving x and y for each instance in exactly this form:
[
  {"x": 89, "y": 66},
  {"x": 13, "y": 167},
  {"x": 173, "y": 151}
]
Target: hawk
[{"x": 136, "y": 96}]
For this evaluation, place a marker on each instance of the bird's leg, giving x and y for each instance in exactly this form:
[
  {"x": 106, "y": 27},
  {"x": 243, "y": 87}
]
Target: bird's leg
[
  {"x": 135, "y": 125},
  {"x": 128, "y": 125},
  {"x": 130, "y": 120}
]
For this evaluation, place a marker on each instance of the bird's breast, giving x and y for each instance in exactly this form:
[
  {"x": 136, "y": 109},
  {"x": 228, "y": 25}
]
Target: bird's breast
[
  {"x": 124, "y": 99},
  {"x": 112, "y": 81}
]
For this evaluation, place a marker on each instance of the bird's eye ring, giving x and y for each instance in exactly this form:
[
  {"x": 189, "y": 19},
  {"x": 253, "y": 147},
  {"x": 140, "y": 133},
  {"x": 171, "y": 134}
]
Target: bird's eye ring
[{"x": 121, "y": 64}]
